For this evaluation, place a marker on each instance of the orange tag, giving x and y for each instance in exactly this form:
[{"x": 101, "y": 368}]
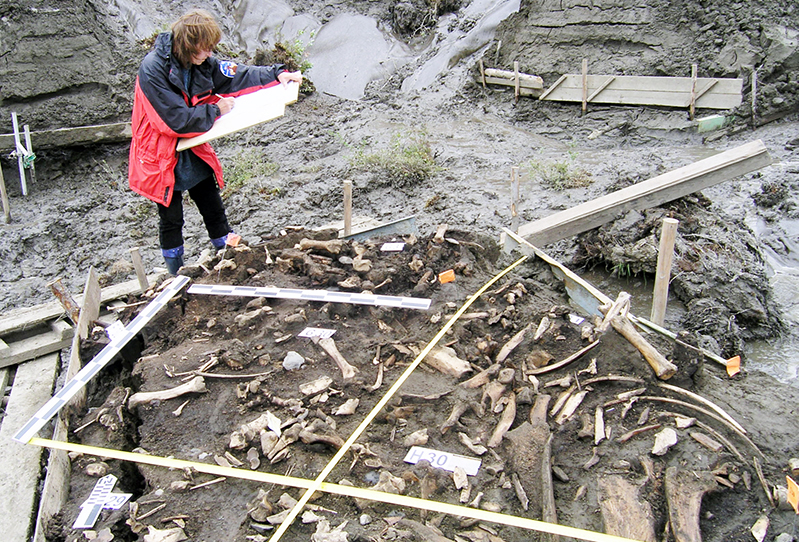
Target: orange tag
[
  {"x": 793, "y": 493},
  {"x": 446, "y": 276},
  {"x": 734, "y": 366},
  {"x": 233, "y": 239}
]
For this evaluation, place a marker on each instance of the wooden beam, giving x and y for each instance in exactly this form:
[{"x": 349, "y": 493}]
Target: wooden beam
[
  {"x": 59, "y": 336},
  {"x": 718, "y": 93},
  {"x": 660, "y": 295},
  {"x": 21, "y": 466},
  {"x": 656, "y": 191},
  {"x": 602, "y": 87},
  {"x": 65, "y": 137},
  {"x": 31, "y": 317}
]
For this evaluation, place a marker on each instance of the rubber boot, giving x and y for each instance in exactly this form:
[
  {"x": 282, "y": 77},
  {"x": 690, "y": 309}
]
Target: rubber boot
[
  {"x": 173, "y": 258},
  {"x": 220, "y": 242}
]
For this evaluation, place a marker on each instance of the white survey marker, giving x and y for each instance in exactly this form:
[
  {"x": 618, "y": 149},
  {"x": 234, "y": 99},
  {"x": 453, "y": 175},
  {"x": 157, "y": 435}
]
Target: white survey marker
[
  {"x": 313, "y": 295},
  {"x": 443, "y": 460},
  {"x": 57, "y": 401},
  {"x": 313, "y": 332}
]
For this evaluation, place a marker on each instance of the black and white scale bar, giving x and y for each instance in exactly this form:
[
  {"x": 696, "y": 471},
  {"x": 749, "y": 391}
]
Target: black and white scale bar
[
  {"x": 88, "y": 372},
  {"x": 313, "y": 295}
]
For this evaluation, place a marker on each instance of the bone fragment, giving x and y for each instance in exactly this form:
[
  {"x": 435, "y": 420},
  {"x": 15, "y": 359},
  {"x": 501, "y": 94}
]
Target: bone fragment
[
  {"x": 630, "y": 434},
  {"x": 515, "y": 341},
  {"x": 329, "y": 346},
  {"x": 684, "y": 491},
  {"x": 599, "y": 425},
  {"x": 543, "y": 327},
  {"x": 624, "y": 512},
  {"x": 379, "y": 379},
  {"x": 482, "y": 377},
  {"x": 476, "y": 449},
  {"x": 316, "y": 386},
  {"x": 195, "y": 385},
  {"x": 563, "y": 363},
  {"x": 445, "y": 360},
  {"x": 706, "y": 441},
  {"x": 417, "y": 438},
  {"x": 459, "y": 478},
  {"x": 664, "y": 440},
  {"x": 333, "y": 246},
  {"x": 548, "y": 510},
  {"x": 760, "y": 528},
  {"x": 570, "y": 407},
  {"x": 493, "y": 391},
  {"x": 521, "y": 494},
  {"x": 254, "y": 458},
  {"x": 721, "y": 412},
  {"x": 348, "y": 408},
  {"x": 457, "y": 411},
  {"x": 508, "y": 416}
]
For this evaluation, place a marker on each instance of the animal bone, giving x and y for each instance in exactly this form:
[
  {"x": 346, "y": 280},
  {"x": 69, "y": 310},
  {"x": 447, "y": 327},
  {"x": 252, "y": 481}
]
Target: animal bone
[
  {"x": 329, "y": 346},
  {"x": 508, "y": 416},
  {"x": 195, "y": 385},
  {"x": 446, "y": 361},
  {"x": 333, "y": 246}
]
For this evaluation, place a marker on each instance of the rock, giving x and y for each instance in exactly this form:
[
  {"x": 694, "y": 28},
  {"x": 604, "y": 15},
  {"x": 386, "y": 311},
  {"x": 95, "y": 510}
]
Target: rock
[
  {"x": 664, "y": 440},
  {"x": 97, "y": 470}
]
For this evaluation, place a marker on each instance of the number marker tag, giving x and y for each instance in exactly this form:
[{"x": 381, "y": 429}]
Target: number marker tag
[
  {"x": 793, "y": 493},
  {"x": 443, "y": 460},
  {"x": 392, "y": 247},
  {"x": 311, "y": 332}
]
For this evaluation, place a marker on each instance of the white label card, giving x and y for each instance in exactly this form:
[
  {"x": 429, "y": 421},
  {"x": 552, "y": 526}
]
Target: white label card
[
  {"x": 392, "y": 247},
  {"x": 443, "y": 460},
  {"x": 115, "y": 330},
  {"x": 311, "y": 332}
]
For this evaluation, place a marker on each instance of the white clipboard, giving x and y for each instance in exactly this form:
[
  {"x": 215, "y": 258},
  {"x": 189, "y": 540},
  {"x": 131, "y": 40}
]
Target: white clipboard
[{"x": 250, "y": 109}]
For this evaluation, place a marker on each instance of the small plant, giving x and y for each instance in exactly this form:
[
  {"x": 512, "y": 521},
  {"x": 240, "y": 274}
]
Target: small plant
[
  {"x": 408, "y": 159},
  {"x": 560, "y": 175},
  {"x": 246, "y": 166}
]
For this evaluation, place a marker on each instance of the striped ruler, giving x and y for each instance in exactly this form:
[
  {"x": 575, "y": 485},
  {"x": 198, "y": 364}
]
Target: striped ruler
[
  {"x": 312, "y": 295},
  {"x": 88, "y": 372}
]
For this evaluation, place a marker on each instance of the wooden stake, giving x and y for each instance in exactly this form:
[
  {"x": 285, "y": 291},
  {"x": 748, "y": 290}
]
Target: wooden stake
[
  {"x": 135, "y": 255},
  {"x": 65, "y": 298},
  {"x": 693, "y": 91},
  {"x": 347, "y": 208},
  {"x": 663, "y": 273},
  {"x": 482, "y": 73},
  {"x": 514, "y": 198},
  {"x": 516, "y": 81},
  {"x": 585, "y": 85},
  {"x": 4, "y": 197},
  {"x": 20, "y": 157}
]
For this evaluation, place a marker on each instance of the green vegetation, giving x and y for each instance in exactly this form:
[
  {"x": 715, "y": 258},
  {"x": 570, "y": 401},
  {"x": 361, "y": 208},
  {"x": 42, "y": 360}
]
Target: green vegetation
[
  {"x": 560, "y": 175},
  {"x": 408, "y": 159},
  {"x": 246, "y": 166}
]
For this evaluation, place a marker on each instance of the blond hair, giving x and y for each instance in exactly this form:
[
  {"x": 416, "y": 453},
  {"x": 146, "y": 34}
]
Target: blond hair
[{"x": 194, "y": 32}]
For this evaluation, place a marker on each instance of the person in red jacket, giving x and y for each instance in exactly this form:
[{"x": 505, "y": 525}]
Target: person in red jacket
[{"x": 181, "y": 89}]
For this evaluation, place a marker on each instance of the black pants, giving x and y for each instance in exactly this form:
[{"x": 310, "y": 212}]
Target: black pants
[{"x": 209, "y": 202}]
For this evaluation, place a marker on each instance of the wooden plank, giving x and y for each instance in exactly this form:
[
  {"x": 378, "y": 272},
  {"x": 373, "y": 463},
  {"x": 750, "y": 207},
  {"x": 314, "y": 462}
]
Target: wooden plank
[
  {"x": 602, "y": 87},
  {"x": 3, "y": 347},
  {"x": 56, "y": 484},
  {"x": 80, "y": 135},
  {"x": 20, "y": 468},
  {"x": 646, "y": 90},
  {"x": 656, "y": 191},
  {"x": 31, "y": 317},
  {"x": 38, "y": 345}
]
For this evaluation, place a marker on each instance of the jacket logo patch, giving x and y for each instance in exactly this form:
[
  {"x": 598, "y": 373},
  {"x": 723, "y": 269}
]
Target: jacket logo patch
[{"x": 228, "y": 68}]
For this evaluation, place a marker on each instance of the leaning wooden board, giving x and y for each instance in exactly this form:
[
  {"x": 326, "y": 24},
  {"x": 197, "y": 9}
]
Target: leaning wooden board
[
  {"x": 250, "y": 109},
  {"x": 709, "y": 93}
]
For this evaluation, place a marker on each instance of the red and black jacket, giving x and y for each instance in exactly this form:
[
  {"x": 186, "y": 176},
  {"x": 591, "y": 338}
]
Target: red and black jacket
[{"x": 164, "y": 110}]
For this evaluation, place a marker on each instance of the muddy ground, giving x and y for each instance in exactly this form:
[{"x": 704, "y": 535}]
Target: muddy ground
[{"x": 735, "y": 250}]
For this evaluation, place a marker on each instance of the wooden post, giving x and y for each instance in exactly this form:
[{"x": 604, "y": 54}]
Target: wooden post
[
  {"x": 516, "y": 81},
  {"x": 29, "y": 147},
  {"x": 693, "y": 91},
  {"x": 585, "y": 86},
  {"x": 347, "y": 208},
  {"x": 135, "y": 255},
  {"x": 482, "y": 73},
  {"x": 514, "y": 198},
  {"x": 663, "y": 274},
  {"x": 4, "y": 197},
  {"x": 65, "y": 298}
]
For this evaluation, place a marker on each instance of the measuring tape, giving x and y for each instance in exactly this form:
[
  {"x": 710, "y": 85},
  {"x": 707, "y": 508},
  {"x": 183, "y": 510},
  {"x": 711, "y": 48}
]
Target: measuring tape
[
  {"x": 313, "y": 295},
  {"x": 347, "y": 491},
  {"x": 318, "y": 484},
  {"x": 57, "y": 401}
]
